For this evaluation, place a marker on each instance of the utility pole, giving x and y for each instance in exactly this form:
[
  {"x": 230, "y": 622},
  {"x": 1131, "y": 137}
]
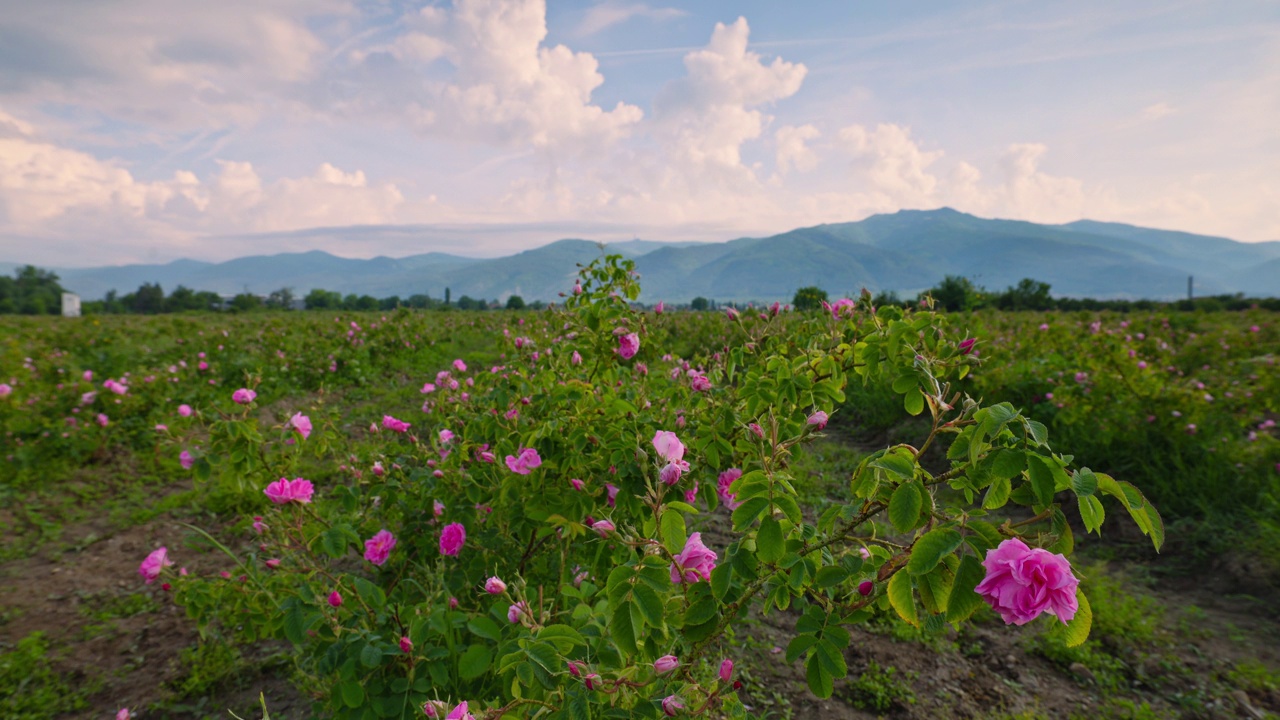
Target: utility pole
[{"x": 1190, "y": 293}]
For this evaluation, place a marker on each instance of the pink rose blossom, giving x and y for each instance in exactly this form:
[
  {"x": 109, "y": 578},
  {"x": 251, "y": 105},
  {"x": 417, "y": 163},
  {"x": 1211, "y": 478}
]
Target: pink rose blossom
[
  {"x": 726, "y": 670},
  {"x": 437, "y": 508},
  {"x": 670, "y": 474},
  {"x": 628, "y": 345},
  {"x": 604, "y": 527},
  {"x": 379, "y": 547},
  {"x": 460, "y": 713},
  {"x": 5, "y": 389},
  {"x": 695, "y": 561},
  {"x": 186, "y": 459},
  {"x": 524, "y": 462},
  {"x": 446, "y": 437},
  {"x": 258, "y": 525},
  {"x": 611, "y": 494},
  {"x": 301, "y": 424},
  {"x": 865, "y": 588},
  {"x": 459, "y": 366},
  {"x": 391, "y": 423},
  {"x": 451, "y": 538},
  {"x": 123, "y": 714},
  {"x": 1022, "y": 582},
  {"x": 103, "y": 420},
  {"x": 406, "y": 645},
  {"x": 666, "y": 664},
  {"x": 818, "y": 420},
  {"x": 576, "y": 358},
  {"x": 672, "y": 705},
  {"x": 577, "y": 484},
  {"x": 729, "y": 499},
  {"x": 284, "y": 491},
  {"x": 495, "y": 586},
  {"x": 966, "y": 346},
  {"x": 244, "y": 396},
  {"x": 517, "y": 612},
  {"x": 273, "y": 563},
  {"x": 335, "y": 599},
  {"x": 184, "y": 410},
  {"x": 154, "y": 564},
  {"x": 668, "y": 446},
  {"x": 659, "y": 308}
]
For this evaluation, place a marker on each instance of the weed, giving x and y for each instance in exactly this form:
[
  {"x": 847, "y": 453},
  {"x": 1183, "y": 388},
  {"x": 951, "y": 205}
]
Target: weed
[
  {"x": 31, "y": 688},
  {"x": 1253, "y": 676},
  {"x": 105, "y": 606},
  {"x": 207, "y": 666},
  {"x": 1121, "y": 709},
  {"x": 879, "y": 689}
]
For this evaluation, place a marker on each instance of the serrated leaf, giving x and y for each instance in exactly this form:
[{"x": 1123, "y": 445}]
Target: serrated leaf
[
  {"x": 1091, "y": 512},
  {"x": 798, "y": 645},
  {"x": 963, "y": 601},
  {"x": 1041, "y": 479},
  {"x": 748, "y": 511},
  {"x": 649, "y": 603},
  {"x": 1077, "y": 631},
  {"x": 904, "y": 506},
  {"x": 789, "y": 508},
  {"x": 621, "y": 629},
  {"x": 1008, "y": 463},
  {"x": 701, "y": 611},
  {"x": 769, "y": 544},
  {"x": 673, "y": 531},
  {"x": 563, "y": 637},
  {"x": 901, "y": 599},
  {"x": 896, "y": 464},
  {"x": 484, "y": 626},
  {"x": 352, "y": 694},
  {"x": 831, "y": 658},
  {"x": 1084, "y": 483},
  {"x": 820, "y": 680},
  {"x": 997, "y": 494},
  {"x": 370, "y": 655},
  {"x": 930, "y": 548},
  {"x": 830, "y": 576},
  {"x": 474, "y": 662}
]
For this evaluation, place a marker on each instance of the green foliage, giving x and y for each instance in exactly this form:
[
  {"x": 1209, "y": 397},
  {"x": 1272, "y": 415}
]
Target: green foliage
[
  {"x": 809, "y": 298},
  {"x": 879, "y": 689},
  {"x": 31, "y": 291},
  {"x": 31, "y": 688},
  {"x": 1122, "y": 709},
  {"x": 515, "y": 302},
  {"x": 205, "y": 667}
]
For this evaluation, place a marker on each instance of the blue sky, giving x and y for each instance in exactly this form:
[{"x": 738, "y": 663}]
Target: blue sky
[{"x": 144, "y": 130}]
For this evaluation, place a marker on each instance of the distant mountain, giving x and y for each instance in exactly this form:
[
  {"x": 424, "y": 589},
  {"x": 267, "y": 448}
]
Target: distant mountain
[{"x": 907, "y": 251}]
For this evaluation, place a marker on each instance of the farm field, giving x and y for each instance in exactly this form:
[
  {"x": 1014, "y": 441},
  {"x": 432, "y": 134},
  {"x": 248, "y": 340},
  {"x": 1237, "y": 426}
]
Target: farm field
[{"x": 527, "y": 430}]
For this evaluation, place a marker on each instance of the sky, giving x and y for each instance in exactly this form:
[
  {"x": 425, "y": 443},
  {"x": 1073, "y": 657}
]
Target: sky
[{"x": 151, "y": 130}]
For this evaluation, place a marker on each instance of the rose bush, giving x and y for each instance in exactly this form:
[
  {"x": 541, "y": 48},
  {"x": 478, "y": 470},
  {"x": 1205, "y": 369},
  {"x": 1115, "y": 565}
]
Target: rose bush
[{"x": 505, "y": 589}]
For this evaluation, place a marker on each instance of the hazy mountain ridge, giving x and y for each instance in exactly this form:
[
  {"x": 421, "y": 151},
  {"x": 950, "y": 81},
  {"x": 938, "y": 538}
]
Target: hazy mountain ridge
[{"x": 906, "y": 251}]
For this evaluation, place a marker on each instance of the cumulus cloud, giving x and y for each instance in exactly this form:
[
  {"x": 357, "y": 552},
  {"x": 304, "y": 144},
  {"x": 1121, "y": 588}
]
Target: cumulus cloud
[
  {"x": 506, "y": 87},
  {"x": 610, "y": 13},
  {"x": 792, "y": 152},
  {"x": 49, "y": 189},
  {"x": 892, "y": 162}
]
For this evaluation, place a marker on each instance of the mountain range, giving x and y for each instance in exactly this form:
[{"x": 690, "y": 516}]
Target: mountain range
[{"x": 907, "y": 251}]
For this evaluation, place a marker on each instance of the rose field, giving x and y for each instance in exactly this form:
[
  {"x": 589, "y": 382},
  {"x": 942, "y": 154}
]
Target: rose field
[{"x": 600, "y": 510}]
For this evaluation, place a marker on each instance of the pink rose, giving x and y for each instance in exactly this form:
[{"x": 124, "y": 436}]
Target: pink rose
[
  {"x": 103, "y": 420},
  {"x": 154, "y": 563},
  {"x": 406, "y": 645},
  {"x": 335, "y": 599},
  {"x": 495, "y": 586},
  {"x": 123, "y": 714},
  {"x": 302, "y": 424},
  {"x": 628, "y": 345},
  {"x": 671, "y": 705},
  {"x": 700, "y": 384},
  {"x": 670, "y": 474},
  {"x": 611, "y": 494},
  {"x": 668, "y": 446},
  {"x": 577, "y": 484},
  {"x": 391, "y": 423},
  {"x": 437, "y": 508},
  {"x": 730, "y": 500},
  {"x": 659, "y": 308},
  {"x": 184, "y": 410},
  {"x": 446, "y": 437},
  {"x": 517, "y": 612},
  {"x": 5, "y": 389},
  {"x": 818, "y": 420},
  {"x": 966, "y": 345},
  {"x": 460, "y": 713},
  {"x": 726, "y": 670},
  {"x": 604, "y": 527},
  {"x": 378, "y": 547},
  {"x": 695, "y": 561},
  {"x": 666, "y": 664},
  {"x": 244, "y": 396},
  {"x": 525, "y": 462},
  {"x": 1022, "y": 582},
  {"x": 451, "y": 538},
  {"x": 186, "y": 459},
  {"x": 866, "y": 587}
]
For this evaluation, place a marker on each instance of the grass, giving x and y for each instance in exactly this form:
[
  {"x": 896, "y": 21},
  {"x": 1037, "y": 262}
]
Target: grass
[{"x": 32, "y": 688}]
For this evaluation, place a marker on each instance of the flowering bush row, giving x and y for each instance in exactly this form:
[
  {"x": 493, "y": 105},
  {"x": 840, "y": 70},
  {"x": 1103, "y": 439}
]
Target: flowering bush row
[{"x": 534, "y": 537}]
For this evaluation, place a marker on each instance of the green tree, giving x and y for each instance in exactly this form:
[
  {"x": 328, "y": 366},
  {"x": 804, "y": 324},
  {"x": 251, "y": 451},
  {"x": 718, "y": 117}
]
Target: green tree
[
  {"x": 244, "y": 302},
  {"x": 319, "y": 299},
  {"x": 1027, "y": 295},
  {"x": 515, "y": 302},
  {"x": 957, "y": 293},
  {"x": 699, "y": 303},
  {"x": 468, "y": 303},
  {"x": 389, "y": 303},
  {"x": 809, "y": 298},
  {"x": 147, "y": 300},
  {"x": 281, "y": 299}
]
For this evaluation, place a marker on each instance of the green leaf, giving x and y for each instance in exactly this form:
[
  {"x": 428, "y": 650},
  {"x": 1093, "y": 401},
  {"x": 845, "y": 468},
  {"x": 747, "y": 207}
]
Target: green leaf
[
  {"x": 1008, "y": 463},
  {"x": 769, "y": 544},
  {"x": 1084, "y": 483},
  {"x": 798, "y": 645},
  {"x": 997, "y": 494},
  {"x": 901, "y": 599},
  {"x": 650, "y": 604},
  {"x": 617, "y": 584},
  {"x": 831, "y": 576},
  {"x": 963, "y": 601},
  {"x": 831, "y": 658},
  {"x": 371, "y": 594},
  {"x": 621, "y": 629},
  {"x": 896, "y": 463},
  {"x": 904, "y": 506},
  {"x": 563, "y": 637},
  {"x": 545, "y": 655},
  {"x": 474, "y": 662},
  {"x": 370, "y": 655},
  {"x": 1091, "y": 512},
  {"x": 701, "y": 611},
  {"x": 352, "y": 694},
  {"x": 1039, "y": 433},
  {"x": 788, "y": 506},
  {"x": 913, "y": 401},
  {"x": 484, "y": 626},
  {"x": 1077, "y": 630},
  {"x": 673, "y": 531},
  {"x": 748, "y": 511},
  {"x": 930, "y": 548},
  {"x": 1041, "y": 478},
  {"x": 820, "y": 680}
]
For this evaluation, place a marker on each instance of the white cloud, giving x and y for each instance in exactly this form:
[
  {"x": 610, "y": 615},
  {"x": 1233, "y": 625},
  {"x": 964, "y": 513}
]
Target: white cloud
[
  {"x": 1157, "y": 111},
  {"x": 506, "y": 88},
  {"x": 892, "y": 163},
  {"x": 610, "y": 13},
  {"x": 1032, "y": 194},
  {"x": 792, "y": 152}
]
